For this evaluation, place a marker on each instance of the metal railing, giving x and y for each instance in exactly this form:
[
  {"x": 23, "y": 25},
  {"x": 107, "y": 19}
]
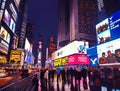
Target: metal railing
[{"x": 20, "y": 85}]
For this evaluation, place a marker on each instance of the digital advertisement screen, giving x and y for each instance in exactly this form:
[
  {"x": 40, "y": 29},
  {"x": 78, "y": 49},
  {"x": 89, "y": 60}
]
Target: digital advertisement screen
[
  {"x": 92, "y": 54},
  {"x": 4, "y": 40},
  {"x": 4, "y": 34},
  {"x": 2, "y": 7},
  {"x": 78, "y": 59},
  {"x": 108, "y": 29},
  {"x": 114, "y": 22},
  {"x": 15, "y": 56},
  {"x": 103, "y": 31},
  {"x": 29, "y": 58},
  {"x": 12, "y": 25},
  {"x": 72, "y": 48},
  {"x": 7, "y": 17},
  {"x": 27, "y": 45},
  {"x": 10, "y": 14},
  {"x": 108, "y": 46}
]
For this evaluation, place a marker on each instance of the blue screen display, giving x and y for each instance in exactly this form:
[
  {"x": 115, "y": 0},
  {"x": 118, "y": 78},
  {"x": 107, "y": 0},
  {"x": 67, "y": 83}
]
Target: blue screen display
[
  {"x": 114, "y": 23},
  {"x": 92, "y": 53},
  {"x": 108, "y": 29}
]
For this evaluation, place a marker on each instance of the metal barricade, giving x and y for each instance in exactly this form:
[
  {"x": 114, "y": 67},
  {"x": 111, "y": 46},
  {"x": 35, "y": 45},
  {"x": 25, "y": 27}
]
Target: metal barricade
[{"x": 20, "y": 85}]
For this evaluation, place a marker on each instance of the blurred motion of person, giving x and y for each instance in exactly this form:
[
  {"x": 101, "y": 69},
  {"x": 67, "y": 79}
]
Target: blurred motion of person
[
  {"x": 46, "y": 77},
  {"x": 42, "y": 76},
  {"x": 35, "y": 82},
  {"x": 84, "y": 75},
  {"x": 58, "y": 75}
]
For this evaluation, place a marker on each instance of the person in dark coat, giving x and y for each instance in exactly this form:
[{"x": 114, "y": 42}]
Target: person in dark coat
[
  {"x": 35, "y": 82},
  {"x": 42, "y": 77},
  {"x": 84, "y": 74}
]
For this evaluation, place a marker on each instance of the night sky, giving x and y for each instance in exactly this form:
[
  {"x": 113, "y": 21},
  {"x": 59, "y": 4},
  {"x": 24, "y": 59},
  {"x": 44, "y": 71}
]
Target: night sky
[{"x": 44, "y": 15}]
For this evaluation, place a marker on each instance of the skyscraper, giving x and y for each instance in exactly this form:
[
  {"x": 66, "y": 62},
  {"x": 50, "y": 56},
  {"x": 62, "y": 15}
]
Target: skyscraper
[
  {"x": 77, "y": 21},
  {"x": 64, "y": 22}
]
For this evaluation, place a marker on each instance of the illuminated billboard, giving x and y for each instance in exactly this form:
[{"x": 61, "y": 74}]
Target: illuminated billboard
[
  {"x": 16, "y": 56},
  {"x": 72, "y": 48},
  {"x": 92, "y": 54},
  {"x": 61, "y": 61},
  {"x": 78, "y": 59},
  {"x": 10, "y": 14},
  {"x": 108, "y": 46},
  {"x": 27, "y": 45},
  {"x": 5, "y": 39},
  {"x": 4, "y": 34},
  {"x": 108, "y": 29},
  {"x": 29, "y": 58},
  {"x": 2, "y": 7},
  {"x": 103, "y": 31},
  {"x": 7, "y": 17},
  {"x": 12, "y": 25},
  {"x": 114, "y": 22}
]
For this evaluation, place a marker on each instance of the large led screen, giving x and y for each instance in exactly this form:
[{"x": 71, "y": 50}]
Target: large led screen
[
  {"x": 4, "y": 34},
  {"x": 10, "y": 14},
  {"x": 12, "y": 25},
  {"x": 7, "y": 17},
  {"x": 72, "y": 48},
  {"x": 114, "y": 22},
  {"x": 27, "y": 45},
  {"x": 29, "y": 58},
  {"x": 15, "y": 56},
  {"x": 103, "y": 31},
  {"x": 108, "y": 29},
  {"x": 108, "y": 46}
]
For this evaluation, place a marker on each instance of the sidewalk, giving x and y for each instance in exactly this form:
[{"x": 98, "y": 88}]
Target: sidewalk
[{"x": 60, "y": 87}]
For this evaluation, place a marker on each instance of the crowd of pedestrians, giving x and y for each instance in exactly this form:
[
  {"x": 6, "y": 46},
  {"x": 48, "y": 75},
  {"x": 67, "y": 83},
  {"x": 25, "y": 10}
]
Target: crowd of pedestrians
[
  {"x": 65, "y": 75},
  {"x": 104, "y": 76},
  {"x": 98, "y": 76}
]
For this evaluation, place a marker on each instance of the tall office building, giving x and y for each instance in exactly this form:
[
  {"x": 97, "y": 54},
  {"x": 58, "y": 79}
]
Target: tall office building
[
  {"x": 64, "y": 22},
  {"x": 107, "y": 8},
  {"x": 77, "y": 19}
]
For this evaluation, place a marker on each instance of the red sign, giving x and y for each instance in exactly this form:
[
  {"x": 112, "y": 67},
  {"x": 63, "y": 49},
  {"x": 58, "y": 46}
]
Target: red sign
[{"x": 78, "y": 59}]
